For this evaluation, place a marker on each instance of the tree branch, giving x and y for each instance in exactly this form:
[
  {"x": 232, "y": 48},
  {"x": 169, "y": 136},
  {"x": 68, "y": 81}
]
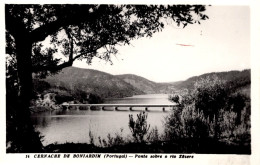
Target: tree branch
[
  {"x": 71, "y": 45},
  {"x": 65, "y": 64},
  {"x": 66, "y": 18},
  {"x": 51, "y": 68},
  {"x": 40, "y": 33}
]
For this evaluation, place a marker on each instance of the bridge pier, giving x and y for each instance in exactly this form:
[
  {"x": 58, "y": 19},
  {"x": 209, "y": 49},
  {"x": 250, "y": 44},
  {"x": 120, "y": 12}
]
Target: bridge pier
[
  {"x": 77, "y": 108},
  {"x": 67, "y": 107},
  {"x": 95, "y": 108}
]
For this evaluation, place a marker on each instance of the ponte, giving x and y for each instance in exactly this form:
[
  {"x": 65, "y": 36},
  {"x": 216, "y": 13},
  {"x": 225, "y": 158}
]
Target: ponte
[{"x": 118, "y": 107}]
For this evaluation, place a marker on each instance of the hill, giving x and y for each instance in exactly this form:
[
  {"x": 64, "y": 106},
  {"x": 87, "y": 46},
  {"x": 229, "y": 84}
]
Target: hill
[
  {"x": 140, "y": 83},
  {"x": 237, "y": 78},
  {"x": 92, "y": 81},
  {"x": 147, "y": 86},
  {"x": 104, "y": 85}
]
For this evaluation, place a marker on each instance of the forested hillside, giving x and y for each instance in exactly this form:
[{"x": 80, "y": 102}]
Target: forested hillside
[
  {"x": 92, "y": 81},
  {"x": 241, "y": 80},
  {"x": 75, "y": 83}
]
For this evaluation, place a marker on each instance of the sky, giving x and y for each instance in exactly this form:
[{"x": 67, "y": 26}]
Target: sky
[{"x": 221, "y": 43}]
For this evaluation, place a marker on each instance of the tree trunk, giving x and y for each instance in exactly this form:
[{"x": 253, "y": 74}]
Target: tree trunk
[
  {"x": 24, "y": 65},
  {"x": 26, "y": 140}
]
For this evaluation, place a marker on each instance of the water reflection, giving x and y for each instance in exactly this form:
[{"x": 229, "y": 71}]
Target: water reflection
[{"x": 74, "y": 125}]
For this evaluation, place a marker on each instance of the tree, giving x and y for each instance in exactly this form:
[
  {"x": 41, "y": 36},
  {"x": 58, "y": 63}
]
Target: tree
[
  {"x": 78, "y": 32},
  {"x": 139, "y": 128}
]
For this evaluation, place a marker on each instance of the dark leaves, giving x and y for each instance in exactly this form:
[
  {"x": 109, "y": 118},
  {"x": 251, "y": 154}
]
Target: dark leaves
[
  {"x": 93, "y": 28},
  {"x": 139, "y": 128}
]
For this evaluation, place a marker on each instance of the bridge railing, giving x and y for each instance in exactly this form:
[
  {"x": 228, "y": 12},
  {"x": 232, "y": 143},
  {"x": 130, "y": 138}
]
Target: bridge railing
[{"x": 118, "y": 107}]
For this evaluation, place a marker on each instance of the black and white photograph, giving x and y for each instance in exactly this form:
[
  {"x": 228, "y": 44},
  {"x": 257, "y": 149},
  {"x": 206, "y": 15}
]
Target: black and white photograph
[{"x": 131, "y": 81}]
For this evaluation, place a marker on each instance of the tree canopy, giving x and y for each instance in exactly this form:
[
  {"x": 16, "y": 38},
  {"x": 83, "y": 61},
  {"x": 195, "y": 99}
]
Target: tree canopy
[{"x": 80, "y": 31}]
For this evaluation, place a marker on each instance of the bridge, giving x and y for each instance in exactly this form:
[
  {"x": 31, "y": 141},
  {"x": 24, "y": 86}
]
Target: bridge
[{"x": 118, "y": 107}]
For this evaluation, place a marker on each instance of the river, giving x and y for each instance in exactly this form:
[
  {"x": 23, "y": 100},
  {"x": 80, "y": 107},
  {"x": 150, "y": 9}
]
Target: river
[{"x": 63, "y": 126}]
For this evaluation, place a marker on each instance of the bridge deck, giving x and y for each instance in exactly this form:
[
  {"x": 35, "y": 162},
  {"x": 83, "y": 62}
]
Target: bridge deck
[
  {"x": 123, "y": 105},
  {"x": 131, "y": 107}
]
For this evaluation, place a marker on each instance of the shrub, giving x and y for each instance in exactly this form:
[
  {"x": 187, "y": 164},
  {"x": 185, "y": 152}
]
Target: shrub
[
  {"x": 91, "y": 137},
  {"x": 95, "y": 99},
  {"x": 113, "y": 141},
  {"x": 139, "y": 128},
  {"x": 212, "y": 109},
  {"x": 210, "y": 95},
  {"x": 174, "y": 126},
  {"x": 195, "y": 124},
  {"x": 153, "y": 136},
  {"x": 237, "y": 102},
  {"x": 187, "y": 123},
  {"x": 63, "y": 98},
  {"x": 39, "y": 86}
]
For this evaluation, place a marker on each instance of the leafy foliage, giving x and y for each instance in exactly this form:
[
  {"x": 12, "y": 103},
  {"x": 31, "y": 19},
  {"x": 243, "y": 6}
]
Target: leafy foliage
[
  {"x": 187, "y": 124},
  {"x": 40, "y": 86},
  {"x": 79, "y": 31},
  {"x": 139, "y": 128},
  {"x": 212, "y": 109},
  {"x": 62, "y": 94},
  {"x": 113, "y": 141},
  {"x": 61, "y": 98},
  {"x": 210, "y": 95}
]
